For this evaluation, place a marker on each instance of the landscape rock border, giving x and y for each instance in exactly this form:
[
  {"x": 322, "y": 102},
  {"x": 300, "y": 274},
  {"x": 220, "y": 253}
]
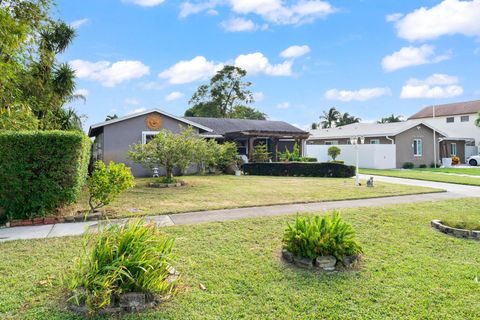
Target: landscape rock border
[
  {"x": 323, "y": 263},
  {"x": 458, "y": 233}
]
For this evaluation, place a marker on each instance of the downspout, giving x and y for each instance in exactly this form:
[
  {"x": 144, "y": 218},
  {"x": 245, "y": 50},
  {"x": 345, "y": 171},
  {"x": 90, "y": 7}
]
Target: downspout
[{"x": 393, "y": 141}]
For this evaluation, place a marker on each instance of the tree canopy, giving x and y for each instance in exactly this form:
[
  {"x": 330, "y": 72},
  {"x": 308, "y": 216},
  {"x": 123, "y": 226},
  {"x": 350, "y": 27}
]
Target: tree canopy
[
  {"x": 334, "y": 118},
  {"x": 226, "y": 96},
  {"x": 390, "y": 119},
  {"x": 33, "y": 84}
]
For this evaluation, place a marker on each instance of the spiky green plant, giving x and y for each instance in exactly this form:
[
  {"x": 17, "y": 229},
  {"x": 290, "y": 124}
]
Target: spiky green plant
[
  {"x": 321, "y": 236},
  {"x": 135, "y": 257}
]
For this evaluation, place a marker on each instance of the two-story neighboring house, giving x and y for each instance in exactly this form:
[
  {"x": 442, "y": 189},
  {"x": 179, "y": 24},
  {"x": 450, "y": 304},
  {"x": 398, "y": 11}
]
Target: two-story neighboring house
[{"x": 455, "y": 119}]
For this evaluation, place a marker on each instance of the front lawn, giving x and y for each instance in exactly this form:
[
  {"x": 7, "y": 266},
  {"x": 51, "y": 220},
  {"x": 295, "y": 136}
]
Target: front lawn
[
  {"x": 219, "y": 192},
  {"x": 409, "y": 271},
  {"x": 473, "y": 171},
  {"x": 423, "y": 175}
]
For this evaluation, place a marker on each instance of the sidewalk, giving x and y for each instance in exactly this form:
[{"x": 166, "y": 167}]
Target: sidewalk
[{"x": 453, "y": 191}]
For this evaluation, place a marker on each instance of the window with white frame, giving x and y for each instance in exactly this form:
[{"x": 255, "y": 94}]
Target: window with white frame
[
  {"x": 417, "y": 147},
  {"x": 374, "y": 141},
  {"x": 464, "y": 118},
  {"x": 453, "y": 149},
  {"x": 331, "y": 142},
  {"x": 450, "y": 119},
  {"x": 147, "y": 136}
]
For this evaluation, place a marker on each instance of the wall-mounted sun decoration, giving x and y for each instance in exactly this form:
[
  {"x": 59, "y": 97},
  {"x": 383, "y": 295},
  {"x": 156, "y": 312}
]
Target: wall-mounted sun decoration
[{"x": 154, "y": 122}]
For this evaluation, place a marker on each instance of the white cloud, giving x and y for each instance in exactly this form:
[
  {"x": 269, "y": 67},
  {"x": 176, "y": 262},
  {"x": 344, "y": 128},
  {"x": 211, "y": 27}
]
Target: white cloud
[
  {"x": 145, "y": 3},
  {"x": 256, "y": 63},
  {"x": 274, "y": 11},
  {"x": 436, "y": 86},
  {"x": 131, "y": 101},
  {"x": 357, "y": 95},
  {"x": 187, "y": 71},
  {"x": 238, "y": 25},
  {"x": 283, "y": 105},
  {"x": 175, "y": 95},
  {"x": 82, "y": 92},
  {"x": 295, "y": 51},
  {"x": 188, "y": 8},
  {"x": 108, "y": 74},
  {"x": 258, "y": 96},
  {"x": 446, "y": 18},
  {"x": 393, "y": 17},
  {"x": 412, "y": 56},
  {"x": 136, "y": 111},
  {"x": 78, "y": 23}
]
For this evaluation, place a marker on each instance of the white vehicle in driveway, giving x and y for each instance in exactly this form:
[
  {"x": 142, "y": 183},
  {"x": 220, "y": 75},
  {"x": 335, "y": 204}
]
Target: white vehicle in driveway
[{"x": 473, "y": 160}]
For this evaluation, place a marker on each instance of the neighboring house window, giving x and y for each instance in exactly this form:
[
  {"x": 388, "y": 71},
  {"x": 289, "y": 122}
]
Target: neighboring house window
[
  {"x": 331, "y": 142},
  {"x": 417, "y": 147},
  {"x": 374, "y": 141},
  {"x": 464, "y": 118},
  {"x": 147, "y": 136},
  {"x": 453, "y": 149},
  {"x": 450, "y": 119},
  {"x": 242, "y": 147}
]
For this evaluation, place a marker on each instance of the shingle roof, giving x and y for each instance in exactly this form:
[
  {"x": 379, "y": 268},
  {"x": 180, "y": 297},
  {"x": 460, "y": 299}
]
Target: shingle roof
[
  {"x": 221, "y": 126},
  {"x": 450, "y": 109},
  {"x": 365, "y": 130}
]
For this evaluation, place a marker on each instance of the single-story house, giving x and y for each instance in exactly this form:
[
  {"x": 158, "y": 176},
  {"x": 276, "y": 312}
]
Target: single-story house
[
  {"x": 390, "y": 145},
  {"x": 113, "y": 138}
]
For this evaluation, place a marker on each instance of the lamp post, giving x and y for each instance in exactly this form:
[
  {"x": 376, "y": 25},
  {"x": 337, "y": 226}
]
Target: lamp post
[{"x": 354, "y": 141}]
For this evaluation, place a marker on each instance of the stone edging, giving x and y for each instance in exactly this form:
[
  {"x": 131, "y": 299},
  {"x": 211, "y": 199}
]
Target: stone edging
[
  {"x": 324, "y": 263},
  {"x": 459, "y": 233},
  {"x": 166, "y": 185}
]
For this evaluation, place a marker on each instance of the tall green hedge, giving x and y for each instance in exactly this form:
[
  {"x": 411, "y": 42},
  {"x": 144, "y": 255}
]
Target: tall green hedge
[
  {"x": 299, "y": 169},
  {"x": 41, "y": 171}
]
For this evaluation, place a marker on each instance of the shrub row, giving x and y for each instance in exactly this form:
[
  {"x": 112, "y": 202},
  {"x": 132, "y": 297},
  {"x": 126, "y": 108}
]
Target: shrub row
[
  {"x": 41, "y": 171},
  {"x": 307, "y": 169}
]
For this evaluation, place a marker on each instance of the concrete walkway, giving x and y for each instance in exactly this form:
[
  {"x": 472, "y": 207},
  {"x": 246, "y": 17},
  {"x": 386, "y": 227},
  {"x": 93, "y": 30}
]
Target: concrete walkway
[{"x": 453, "y": 191}]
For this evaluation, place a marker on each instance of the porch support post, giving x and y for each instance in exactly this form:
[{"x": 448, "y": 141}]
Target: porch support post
[
  {"x": 275, "y": 149},
  {"x": 250, "y": 148}
]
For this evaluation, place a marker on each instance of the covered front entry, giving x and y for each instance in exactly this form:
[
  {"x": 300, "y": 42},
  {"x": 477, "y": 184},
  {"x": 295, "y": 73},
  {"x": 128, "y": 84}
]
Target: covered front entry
[{"x": 275, "y": 142}]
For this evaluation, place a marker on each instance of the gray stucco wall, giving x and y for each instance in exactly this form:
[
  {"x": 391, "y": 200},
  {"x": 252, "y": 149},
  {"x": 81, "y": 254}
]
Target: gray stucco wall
[
  {"x": 119, "y": 136},
  {"x": 404, "y": 146}
]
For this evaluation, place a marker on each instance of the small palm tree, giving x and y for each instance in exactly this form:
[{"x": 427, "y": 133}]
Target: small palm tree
[
  {"x": 346, "y": 118},
  {"x": 390, "y": 119},
  {"x": 329, "y": 118}
]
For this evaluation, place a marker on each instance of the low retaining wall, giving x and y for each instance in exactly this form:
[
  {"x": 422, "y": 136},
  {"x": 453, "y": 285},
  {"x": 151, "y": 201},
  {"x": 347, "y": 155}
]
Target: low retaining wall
[{"x": 459, "y": 233}]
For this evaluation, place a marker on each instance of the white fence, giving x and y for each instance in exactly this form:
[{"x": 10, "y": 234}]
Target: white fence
[
  {"x": 374, "y": 156},
  {"x": 471, "y": 151}
]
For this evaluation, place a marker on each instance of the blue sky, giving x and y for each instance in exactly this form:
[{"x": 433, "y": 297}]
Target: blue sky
[{"x": 369, "y": 58}]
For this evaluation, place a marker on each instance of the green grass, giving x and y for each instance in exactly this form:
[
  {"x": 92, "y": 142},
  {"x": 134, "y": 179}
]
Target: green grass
[
  {"x": 409, "y": 271},
  {"x": 475, "y": 171},
  {"x": 463, "y": 223},
  {"x": 219, "y": 192},
  {"x": 423, "y": 175}
]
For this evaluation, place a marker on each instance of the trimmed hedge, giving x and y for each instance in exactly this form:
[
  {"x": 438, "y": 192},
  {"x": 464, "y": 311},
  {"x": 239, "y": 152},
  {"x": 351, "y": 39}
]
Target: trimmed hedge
[
  {"x": 41, "y": 171},
  {"x": 306, "y": 169}
]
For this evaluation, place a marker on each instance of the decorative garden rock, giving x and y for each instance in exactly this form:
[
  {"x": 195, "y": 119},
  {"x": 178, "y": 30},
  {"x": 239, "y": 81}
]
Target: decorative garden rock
[
  {"x": 303, "y": 262},
  {"x": 458, "y": 233},
  {"x": 127, "y": 302},
  {"x": 350, "y": 261},
  {"x": 287, "y": 255},
  {"x": 326, "y": 263}
]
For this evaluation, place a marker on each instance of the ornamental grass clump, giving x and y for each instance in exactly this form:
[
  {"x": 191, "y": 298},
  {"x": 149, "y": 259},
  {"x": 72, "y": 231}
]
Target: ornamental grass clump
[
  {"x": 312, "y": 237},
  {"x": 135, "y": 257}
]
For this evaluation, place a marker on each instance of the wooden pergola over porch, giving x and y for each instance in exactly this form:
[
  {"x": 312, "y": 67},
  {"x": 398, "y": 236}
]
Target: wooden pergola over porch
[{"x": 274, "y": 137}]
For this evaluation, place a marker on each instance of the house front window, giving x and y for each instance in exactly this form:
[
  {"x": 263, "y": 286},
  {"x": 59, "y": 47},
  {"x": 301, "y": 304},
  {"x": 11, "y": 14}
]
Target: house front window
[
  {"x": 450, "y": 119},
  {"x": 453, "y": 149},
  {"x": 417, "y": 147},
  {"x": 374, "y": 141},
  {"x": 464, "y": 118},
  {"x": 331, "y": 142},
  {"x": 147, "y": 136}
]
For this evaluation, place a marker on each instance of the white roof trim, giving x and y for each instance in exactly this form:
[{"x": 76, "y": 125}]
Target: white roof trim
[
  {"x": 413, "y": 124},
  {"x": 134, "y": 115}
]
